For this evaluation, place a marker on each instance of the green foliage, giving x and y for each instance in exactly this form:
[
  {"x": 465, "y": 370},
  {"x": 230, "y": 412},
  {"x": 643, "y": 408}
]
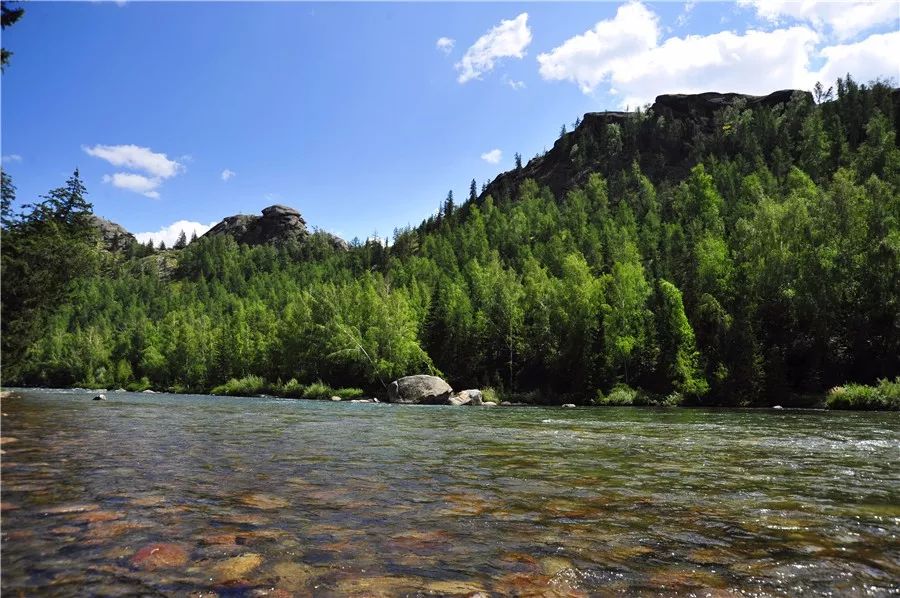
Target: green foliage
[
  {"x": 247, "y": 386},
  {"x": 883, "y": 396},
  {"x": 489, "y": 395},
  {"x": 745, "y": 261},
  {"x": 621, "y": 395}
]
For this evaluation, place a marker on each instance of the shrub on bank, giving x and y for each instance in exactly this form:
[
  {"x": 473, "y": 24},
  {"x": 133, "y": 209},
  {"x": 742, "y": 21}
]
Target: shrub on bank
[
  {"x": 883, "y": 396},
  {"x": 489, "y": 395},
  {"x": 621, "y": 395},
  {"x": 250, "y": 386},
  {"x": 242, "y": 387}
]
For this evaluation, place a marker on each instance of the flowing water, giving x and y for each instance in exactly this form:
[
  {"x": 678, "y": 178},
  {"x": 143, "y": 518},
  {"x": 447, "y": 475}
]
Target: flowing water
[{"x": 153, "y": 494}]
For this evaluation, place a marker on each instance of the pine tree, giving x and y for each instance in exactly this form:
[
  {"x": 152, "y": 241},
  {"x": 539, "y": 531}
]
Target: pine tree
[
  {"x": 181, "y": 242},
  {"x": 473, "y": 194},
  {"x": 448, "y": 205},
  {"x": 7, "y": 198},
  {"x": 194, "y": 236},
  {"x": 10, "y": 16},
  {"x": 162, "y": 246},
  {"x": 518, "y": 161}
]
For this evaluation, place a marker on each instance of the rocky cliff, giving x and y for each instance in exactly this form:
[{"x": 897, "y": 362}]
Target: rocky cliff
[
  {"x": 276, "y": 225},
  {"x": 114, "y": 236},
  {"x": 660, "y": 131}
]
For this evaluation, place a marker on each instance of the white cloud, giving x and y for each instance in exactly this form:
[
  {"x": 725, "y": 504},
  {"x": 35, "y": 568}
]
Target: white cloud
[
  {"x": 137, "y": 183},
  {"x": 874, "y": 56},
  {"x": 513, "y": 83},
  {"x": 227, "y": 174},
  {"x": 591, "y": 57},
  {"x": 445, "y": 44},
  {"x": 169, "y": 234},
  {"x": 844, "y": 19},
  {"x": 11, "y": 158},
  {"x": 136, "y": 158},
  {"x": 492, "y": 157},
  {"x": 506, "y": 40},
  {"x": 628, "y": 54}
]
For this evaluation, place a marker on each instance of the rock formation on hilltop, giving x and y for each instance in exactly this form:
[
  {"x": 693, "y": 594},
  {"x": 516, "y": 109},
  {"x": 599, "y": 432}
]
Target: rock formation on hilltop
[
  {"x": 589, "y": 148},
  {"x": 113, "y": 235},
  {"x": 276, "y": 225}
]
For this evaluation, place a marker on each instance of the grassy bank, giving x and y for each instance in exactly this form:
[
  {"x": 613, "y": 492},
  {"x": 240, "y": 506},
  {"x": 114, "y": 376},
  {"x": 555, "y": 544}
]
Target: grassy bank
[
  {"x": 255, "y": 385},
  {"x": 885, "y": 396}
]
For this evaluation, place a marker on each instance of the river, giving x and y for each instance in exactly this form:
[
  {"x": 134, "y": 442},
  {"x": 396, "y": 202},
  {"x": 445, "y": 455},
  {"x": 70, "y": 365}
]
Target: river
[{"x": 156, "y": 494}]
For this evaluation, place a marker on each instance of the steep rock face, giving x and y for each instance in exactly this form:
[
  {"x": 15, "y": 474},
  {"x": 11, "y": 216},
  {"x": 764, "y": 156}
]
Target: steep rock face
[
  {"x": 277, "y": 224},
  {"x": 565, "y": 165},
  {"x": 113, "y": 235}
]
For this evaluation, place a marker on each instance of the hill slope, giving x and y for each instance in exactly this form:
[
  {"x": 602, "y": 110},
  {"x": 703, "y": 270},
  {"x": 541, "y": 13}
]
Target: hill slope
[{"x": 715, "y": 249}]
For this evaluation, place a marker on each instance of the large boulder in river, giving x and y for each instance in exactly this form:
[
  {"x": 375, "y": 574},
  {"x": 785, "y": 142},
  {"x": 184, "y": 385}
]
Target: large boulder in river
[{"x": 422, "y": 389}]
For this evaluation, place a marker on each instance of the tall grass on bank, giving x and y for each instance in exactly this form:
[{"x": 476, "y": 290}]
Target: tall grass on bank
[
  {"x": 249, "y": 386},
  {"x": 883, "y": 396}
]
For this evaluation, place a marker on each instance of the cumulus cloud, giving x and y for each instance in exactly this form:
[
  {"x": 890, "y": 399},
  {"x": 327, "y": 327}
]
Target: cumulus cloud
[
  {"x": 137, "y": 183},
  {"x": 627, "y": 53},
  {"x": 513, "y": 83},
  {"x": 874, "y": 56},
  {"x": 136, "y": 158},
  {"x": 11, "y": 158},
  {"x": 445, "y": 44},
  {"x": 169, "y": 234},
  {"x": 843, "y": 19},
  {"x": 227, "y": 174},
  {"x": 492, "y": 157},
  {"x": 156, "y": 167},
  {"x": 506, "y": 40}
]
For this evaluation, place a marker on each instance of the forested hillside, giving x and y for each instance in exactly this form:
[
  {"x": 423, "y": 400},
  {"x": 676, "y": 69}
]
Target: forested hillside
[{"x": 742, "y": 254}]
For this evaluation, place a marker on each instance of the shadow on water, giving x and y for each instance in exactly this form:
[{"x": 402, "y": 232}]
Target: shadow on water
[{"x": 162, "y": 494}]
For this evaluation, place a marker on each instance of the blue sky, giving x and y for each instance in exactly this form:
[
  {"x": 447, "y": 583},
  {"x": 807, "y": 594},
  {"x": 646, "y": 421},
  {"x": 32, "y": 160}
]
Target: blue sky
[{"x": 356, "y": 114}]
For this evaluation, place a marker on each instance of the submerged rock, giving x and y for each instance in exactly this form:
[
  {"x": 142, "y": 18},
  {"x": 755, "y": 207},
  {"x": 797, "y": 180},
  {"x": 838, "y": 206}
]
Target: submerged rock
[
  {"x": 552, "y": 565},
  {"x": 236, "y": 567},
  {"x": 264, "y": 501},
  {"x": 159, "y": 556},
  {"x": 100, "y": 397},
  {"x": 419, "y": 389}
]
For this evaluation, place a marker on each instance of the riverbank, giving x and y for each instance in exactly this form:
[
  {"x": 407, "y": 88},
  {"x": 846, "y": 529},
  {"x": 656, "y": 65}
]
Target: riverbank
[{"x": 883, "y": 396}]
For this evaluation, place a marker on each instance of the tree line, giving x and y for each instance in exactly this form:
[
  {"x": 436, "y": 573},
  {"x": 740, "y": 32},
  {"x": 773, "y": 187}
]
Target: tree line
[{"x": 768, "y": 272}]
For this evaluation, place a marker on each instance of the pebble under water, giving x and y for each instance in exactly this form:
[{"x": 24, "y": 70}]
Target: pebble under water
[{"x": 155, "y": 494}]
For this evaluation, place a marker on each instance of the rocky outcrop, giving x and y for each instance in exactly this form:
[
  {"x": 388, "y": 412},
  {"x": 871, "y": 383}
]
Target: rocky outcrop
[
  {"x": 113, "y": 236},
  {"x": 588, "y": 148},
  {"x": 419, "y": 389},
  {"x": 278, "y": 224}
]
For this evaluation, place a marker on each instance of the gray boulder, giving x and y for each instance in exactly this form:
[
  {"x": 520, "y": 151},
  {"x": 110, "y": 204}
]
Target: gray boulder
[
  {"x": 421, "y": 389},
  {"x": 459, "y": 400},
  {"x": 471, "y": 397},
  {"x": 568, "y": 405},
  {"x": 100, "y": 397}
]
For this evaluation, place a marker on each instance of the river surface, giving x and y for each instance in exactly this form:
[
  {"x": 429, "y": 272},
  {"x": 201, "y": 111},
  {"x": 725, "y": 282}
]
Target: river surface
[{"x": 155, "y": 494}]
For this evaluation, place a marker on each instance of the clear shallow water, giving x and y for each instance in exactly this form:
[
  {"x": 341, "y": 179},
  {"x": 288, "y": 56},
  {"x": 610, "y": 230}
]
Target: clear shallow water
[{"x": 173, "y": 495}]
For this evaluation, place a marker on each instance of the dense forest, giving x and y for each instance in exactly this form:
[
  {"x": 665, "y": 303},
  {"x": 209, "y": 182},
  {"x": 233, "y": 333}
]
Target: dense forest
[{"x": 760, "y": 267}]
